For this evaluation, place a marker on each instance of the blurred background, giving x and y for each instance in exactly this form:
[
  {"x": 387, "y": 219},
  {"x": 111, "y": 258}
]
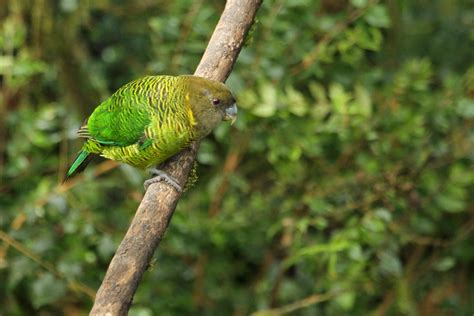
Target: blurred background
[{"x": 345, "y": 187}]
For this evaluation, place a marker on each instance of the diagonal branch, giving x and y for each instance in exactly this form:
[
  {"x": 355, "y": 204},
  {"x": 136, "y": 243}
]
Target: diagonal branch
[{"x": 156, "y": 209}]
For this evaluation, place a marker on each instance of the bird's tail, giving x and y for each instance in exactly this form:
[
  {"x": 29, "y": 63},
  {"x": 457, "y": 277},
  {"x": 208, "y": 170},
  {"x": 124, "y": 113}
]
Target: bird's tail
[{"x": 79, "y": 164}]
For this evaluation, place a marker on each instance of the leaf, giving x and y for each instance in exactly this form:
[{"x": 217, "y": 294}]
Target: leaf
[
  {"x": 452, "y": 200},
  {"x": 465, "y": 108},
  {"x": 339, "y": 98},
  {"x": 334, "y": 246},
  {"x": 362, "y": 103},
  {"x": 368, "y": 38},
  {"x": 47, "y": 290},
  {"x": 445, "y": 264},
  {"x": 378, "y": 16},
  {"x": 207, "y": 153},
  {"x": 346, "y": 300},
  {"x": 390, "y": 264},
  {"x": 268, "y": 103},
  {"x": 296, "y": 101},
  {"x": 359, "y": 3},
  {"x": 6, "y": 63},
  {"x": 140, "y": 311}
]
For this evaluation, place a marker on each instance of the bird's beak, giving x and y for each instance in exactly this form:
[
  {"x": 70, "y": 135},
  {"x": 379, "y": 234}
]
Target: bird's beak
[{"x": 231, "y": 113}]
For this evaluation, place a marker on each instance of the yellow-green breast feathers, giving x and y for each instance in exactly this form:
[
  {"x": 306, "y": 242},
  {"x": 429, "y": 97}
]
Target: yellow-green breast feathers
[{"x": 150, "y": 119}]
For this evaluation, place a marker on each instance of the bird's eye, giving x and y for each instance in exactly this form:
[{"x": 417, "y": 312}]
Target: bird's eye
[{"x": 216, "y": 101}]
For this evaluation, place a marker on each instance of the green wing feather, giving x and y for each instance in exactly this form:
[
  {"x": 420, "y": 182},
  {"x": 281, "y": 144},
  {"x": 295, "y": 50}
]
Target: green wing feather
[
  {"x": 143, "y": 123},
  {"x": 121, "y": 120}
]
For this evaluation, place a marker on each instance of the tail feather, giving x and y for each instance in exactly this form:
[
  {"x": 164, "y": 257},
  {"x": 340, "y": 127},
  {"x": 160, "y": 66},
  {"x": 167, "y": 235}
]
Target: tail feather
[{"x": 79, "y": 164}]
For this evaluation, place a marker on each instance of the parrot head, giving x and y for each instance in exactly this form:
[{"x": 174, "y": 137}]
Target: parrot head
[{"x": 211, "y": 102}]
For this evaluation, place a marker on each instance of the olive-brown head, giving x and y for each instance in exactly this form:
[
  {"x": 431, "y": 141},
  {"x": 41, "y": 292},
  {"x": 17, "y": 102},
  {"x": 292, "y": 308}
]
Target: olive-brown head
[{"x": 211, "y": 102}]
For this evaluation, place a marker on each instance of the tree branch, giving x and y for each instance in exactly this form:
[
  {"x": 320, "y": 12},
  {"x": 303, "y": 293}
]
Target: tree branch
[{"x": 134, "y": 253}]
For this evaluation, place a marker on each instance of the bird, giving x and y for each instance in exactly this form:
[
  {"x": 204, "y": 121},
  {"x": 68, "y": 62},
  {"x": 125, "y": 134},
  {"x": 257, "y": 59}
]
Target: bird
[{"x": 150, "y": 119}]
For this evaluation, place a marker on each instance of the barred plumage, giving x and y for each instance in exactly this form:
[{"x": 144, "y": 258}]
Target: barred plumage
[{"x": 150, "y": 119}]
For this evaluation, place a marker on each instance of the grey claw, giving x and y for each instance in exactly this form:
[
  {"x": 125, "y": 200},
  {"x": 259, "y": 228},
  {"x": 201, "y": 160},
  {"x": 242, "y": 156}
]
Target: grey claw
[{"x": 161, "y": 176}]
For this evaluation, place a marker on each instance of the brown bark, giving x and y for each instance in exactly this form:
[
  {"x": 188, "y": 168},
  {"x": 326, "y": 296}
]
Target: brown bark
[{"x": 134, "y": 253}]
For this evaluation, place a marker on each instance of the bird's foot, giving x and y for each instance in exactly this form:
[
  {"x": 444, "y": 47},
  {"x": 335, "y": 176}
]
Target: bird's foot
[{"x": 161, "y": 176}]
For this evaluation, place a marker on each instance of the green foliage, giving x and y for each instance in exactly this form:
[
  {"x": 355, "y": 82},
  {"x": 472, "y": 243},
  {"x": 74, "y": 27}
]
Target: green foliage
[{"x": 347, "y": 178}]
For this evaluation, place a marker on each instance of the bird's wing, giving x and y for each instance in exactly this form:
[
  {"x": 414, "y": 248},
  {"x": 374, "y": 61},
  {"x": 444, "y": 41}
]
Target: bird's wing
[{"x": 122, "y": 119}]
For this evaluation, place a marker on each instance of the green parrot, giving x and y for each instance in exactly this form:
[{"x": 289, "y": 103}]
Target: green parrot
[{"x": 153, "y": 118}]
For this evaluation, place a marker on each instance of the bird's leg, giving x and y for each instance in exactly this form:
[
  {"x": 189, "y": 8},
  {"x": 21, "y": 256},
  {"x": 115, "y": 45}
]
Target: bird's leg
[{"x": 161, "y": 176}]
